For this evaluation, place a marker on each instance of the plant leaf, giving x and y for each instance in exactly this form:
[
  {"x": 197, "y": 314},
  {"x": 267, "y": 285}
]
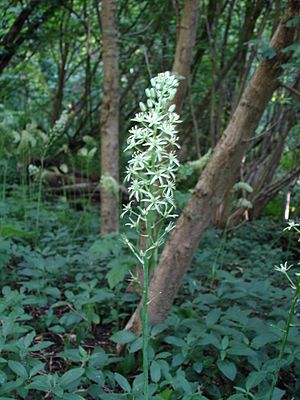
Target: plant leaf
[
  {"x": 71, "y": 376},
  {"x": 123, "y": 337},
  {"x": 123, "y": 382},
  {"x": 227, "y": 368}
]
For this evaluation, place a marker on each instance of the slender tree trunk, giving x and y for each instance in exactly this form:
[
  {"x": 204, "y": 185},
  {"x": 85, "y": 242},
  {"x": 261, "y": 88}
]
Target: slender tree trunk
[
  {"x": 64, "y": 45},
  {"x": 59, "y": 92},
  {"x": 184, "y": 48},
  {"x": 217, "y": 178},
  {"x": 261, "y": 172},
  {"x": 109, "y": 118},
  {"x": 269, "y": 192}
]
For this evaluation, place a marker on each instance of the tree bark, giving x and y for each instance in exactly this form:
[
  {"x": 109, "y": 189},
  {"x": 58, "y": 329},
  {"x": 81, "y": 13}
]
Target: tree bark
[
  {"x": 64, "y": 45},
  {"x": 109, "y": 117},
  {"x": 217, "y": 179},
  {"x": 184, "y": 48},
  {"x": 269, "y": 192},
  {"x": 262, "y": 170}
]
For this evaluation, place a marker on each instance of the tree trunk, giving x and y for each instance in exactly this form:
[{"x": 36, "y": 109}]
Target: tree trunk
[
  {"x": 261, "y": 172},
  {"x": 109, "y": 118},
  {"x": 217, "y": 178},
  {"x": 64, "y": 44},
  {"x": 269, "y": 192},
  {"x": 184, "y": 48}
]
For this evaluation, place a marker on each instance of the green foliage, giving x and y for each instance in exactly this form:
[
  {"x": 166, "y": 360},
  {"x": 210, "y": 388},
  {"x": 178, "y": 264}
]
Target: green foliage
[
  {"x": 61, "y": 322},
  {"x": 64, "y": 297}
]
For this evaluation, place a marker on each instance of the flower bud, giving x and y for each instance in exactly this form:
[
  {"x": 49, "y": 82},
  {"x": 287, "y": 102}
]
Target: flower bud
[{"x": 143, "y": 107}]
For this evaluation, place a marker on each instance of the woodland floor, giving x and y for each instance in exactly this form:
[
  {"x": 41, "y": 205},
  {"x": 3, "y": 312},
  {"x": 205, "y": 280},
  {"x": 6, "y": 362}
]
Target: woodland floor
[{"x": 65, "y": 301}]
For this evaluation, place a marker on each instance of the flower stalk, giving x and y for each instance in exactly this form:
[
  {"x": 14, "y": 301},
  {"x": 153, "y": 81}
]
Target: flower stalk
[
  {"x": 151, "y": 176},
  {"x": 295, "y": 286}
]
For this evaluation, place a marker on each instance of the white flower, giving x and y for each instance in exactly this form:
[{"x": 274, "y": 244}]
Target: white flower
[
  {"x": 139, "y": 161},
  {"x": 33, "y": 170},
  {"x": 283, "y": 267},
  {"x": 126, "y": 209},
  {"x": 157, "y": 144},
  {"x": 154, "y": 203},
  {"x": 135, "y": 190},
  {"x": 139, "y": 117},
  {"x": 292, "y": 225},
  {"x": 153, "y": 118},
  {"x": 152, "y": 168},
  {"x": 169, "y": 188},
  {"x": 172, "y": 158}
]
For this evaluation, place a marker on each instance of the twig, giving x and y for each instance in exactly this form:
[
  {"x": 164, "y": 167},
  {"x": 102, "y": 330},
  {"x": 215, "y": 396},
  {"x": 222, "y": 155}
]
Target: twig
[{"x": 291, "y": 89}]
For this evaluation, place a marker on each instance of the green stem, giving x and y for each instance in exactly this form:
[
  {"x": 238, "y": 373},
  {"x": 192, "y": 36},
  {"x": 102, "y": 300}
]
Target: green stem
[
  {"x": 4, "y": 181},
  {"x": 146, "y": 331},
  {"x": 285, "y": 338},
  {"x": 39, "y": 199},
  {"x": 145, "y": 319},
  {"x": 84, "y": 212}
]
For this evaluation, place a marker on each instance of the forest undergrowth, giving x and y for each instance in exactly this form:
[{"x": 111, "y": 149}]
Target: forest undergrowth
[{"x": 65, "y": 301}]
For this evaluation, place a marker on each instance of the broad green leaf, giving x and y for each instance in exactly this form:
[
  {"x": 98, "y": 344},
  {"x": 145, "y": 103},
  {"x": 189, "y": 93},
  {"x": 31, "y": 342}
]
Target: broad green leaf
[
  {"x": 183, "y": 382},
  {"x": 40, "y": 383},
  {"x": 71, "y": 376},
  {"x": 178, "y": 359},
  {"x": 122, "y": 382},
  {"x": 225, "y": 342},
  {"x": 136, "y": 345},
  {"x": 254, "y": 379},
  {"x": 117, "y": 272},
  {"x": 123, "y": 337},
  {"x": 213, "y": 316},
  {"x": 278, "y": 394},
  {"x": 241, "y": 350},
  {"x": 155, "y": 371},
  {"x": 158, "y": 329},
  {"x": 28, "y": 339},
  {"x": 95, "y": 375},
  {"x": 98, "y": 358},
  {"x": 18, "y": 369},
  {"x": 175, "y": 341},
  {"x": 227, "y": 368},
  {"x": 138, "y": 382},
  {"x": 53, "y": 291},
  {"x": 39, "y": 366},
  {"x": 263, "y": 339},
  {"x": 11, "y": 386},
  {"x": 212, "y": 339},
  {"x": 41, "y": 346}
]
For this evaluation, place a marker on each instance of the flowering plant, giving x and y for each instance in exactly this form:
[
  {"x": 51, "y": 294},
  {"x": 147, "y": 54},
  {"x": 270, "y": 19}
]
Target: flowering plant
[
  {"x": 294, "y": 283},
  {"x": 151, "y": 170},
  {"x": 151, "y": 176}
]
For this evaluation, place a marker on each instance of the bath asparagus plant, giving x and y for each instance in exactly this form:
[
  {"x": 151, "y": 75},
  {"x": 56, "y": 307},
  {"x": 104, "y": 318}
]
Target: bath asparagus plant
[
  {"x": 151, "y": 176},
  {"x": 294, "y": 283}
]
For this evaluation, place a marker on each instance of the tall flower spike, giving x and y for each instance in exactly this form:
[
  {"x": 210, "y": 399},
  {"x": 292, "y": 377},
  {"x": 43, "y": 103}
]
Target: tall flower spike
[
  {"x": 151, "y": 176},
  {"x": 153, "y": 165}
]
